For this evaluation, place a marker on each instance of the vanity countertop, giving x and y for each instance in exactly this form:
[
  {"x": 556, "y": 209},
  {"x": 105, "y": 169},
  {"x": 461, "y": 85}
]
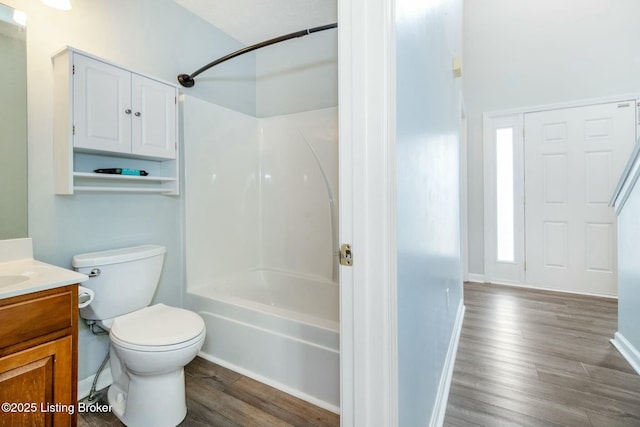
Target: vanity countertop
[
  {"x": 21, "y": 274},
  {"x": 28, "y": 275}
]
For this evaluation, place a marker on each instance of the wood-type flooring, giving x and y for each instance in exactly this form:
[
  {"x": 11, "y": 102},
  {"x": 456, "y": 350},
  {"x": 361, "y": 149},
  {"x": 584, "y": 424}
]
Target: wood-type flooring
[
  {"x": 525, "y": 358},
  {"x": 537, "y": 358},
  {"x": 217, "y": 396}
]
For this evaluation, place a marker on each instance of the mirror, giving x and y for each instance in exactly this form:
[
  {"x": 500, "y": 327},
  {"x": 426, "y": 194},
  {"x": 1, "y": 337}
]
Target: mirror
[{"x": 13, "y": 124}]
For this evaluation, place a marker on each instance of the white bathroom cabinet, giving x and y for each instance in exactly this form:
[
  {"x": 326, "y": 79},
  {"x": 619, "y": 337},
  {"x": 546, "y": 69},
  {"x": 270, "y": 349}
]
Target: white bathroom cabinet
[{"x": 106, "y": 116}]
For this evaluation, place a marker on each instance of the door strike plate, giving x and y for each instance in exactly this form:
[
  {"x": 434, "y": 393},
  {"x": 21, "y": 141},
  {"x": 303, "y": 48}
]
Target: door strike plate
[{"x": 346, "y": 257}]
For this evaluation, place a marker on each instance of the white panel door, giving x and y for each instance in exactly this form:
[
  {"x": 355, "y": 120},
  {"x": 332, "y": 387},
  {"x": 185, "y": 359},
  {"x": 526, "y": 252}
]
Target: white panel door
[
  {"x": 154, "y": 118},
  {"x": 101, "y": 106},
  {"x": 573, "y": 159}
]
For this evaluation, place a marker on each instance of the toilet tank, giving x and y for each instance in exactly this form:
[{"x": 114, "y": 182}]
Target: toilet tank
[{"x": 124, "y": 280}]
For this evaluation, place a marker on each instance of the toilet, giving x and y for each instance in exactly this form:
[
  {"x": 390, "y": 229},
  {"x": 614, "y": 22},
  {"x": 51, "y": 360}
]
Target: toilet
[{"x": 150, "y": 345}]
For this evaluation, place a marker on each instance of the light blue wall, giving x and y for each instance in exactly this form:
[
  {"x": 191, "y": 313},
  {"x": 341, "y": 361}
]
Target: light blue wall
[
  {"x": 298, "y": 75},
  {"x": 156, "y": 37},
  {"x": 629, "y": 270},
  {"x": 428, "y": 118}
]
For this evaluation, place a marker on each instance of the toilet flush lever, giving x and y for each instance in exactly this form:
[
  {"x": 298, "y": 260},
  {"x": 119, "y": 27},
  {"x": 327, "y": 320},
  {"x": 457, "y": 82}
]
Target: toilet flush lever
[{"x": 95, "y": 272}]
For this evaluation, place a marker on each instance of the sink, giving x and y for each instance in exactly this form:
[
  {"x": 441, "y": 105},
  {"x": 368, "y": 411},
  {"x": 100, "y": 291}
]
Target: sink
[
  {"x": 20, "y": 274},
  {"x": 12, "y": 279}
]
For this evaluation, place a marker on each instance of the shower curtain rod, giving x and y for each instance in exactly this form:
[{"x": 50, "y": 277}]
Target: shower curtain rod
[{"x": 186, "y": 80}]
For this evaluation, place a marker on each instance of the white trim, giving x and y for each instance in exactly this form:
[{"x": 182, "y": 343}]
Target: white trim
[
  {"x": 477, "y": 278},
  {"x": 561, "y": 105},
  {"x": 348, "y": 377},
  {"x": 542, "y": 288},
  {"x": 488, "y": 232},
  {"x": 104, "y": 381},
  {"x": 493, "y": 269},
  {"x": 627, "y": 350},
  {"x": 464, "y": 192},
  {"x": 488, "y": 174},
  {"x": 72, "y": 49},
  {"x": 271, "y": 383},
  {"x": 368, "y": 327},
  {"x": 440, "y": 408}
]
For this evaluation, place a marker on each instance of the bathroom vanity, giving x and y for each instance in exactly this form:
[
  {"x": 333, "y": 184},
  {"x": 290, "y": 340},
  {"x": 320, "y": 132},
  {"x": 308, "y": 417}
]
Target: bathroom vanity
[{"x": 38, "y": 340}]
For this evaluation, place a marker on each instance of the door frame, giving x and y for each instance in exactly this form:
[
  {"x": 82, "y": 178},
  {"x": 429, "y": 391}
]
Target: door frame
[
  {"x": 510, "y": 273},
  {"x": 367, "y": 135},
  {"x": 489, "y": 173},
  {"x": 464, "y": 190}
]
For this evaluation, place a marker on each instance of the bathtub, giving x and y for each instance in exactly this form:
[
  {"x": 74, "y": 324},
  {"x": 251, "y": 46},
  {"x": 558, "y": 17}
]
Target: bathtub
[{"x": 277, "y": 328}]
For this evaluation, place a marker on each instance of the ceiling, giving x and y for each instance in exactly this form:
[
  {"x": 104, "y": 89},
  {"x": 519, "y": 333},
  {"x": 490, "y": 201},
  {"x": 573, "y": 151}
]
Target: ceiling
[{"x": 253, "y": 21}]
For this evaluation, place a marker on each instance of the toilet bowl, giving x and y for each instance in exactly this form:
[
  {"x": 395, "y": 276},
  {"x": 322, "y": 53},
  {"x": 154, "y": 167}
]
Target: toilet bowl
[
  {"x": 149, "y": 348},
  {"x": 150, "y": 344}
]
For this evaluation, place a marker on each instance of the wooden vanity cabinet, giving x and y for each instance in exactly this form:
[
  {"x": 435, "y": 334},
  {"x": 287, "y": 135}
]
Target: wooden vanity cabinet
[{"x": 38, "y": 358}]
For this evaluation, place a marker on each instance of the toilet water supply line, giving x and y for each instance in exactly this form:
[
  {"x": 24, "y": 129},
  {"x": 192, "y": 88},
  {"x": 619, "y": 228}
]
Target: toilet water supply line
[
  {"x": 92, "y": 393},
  {"x": 186, "y": 80},
  {"x": 92, "y": 327}
]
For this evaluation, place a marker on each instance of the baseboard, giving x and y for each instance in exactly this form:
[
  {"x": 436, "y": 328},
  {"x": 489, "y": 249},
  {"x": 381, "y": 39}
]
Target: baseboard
[
  {"x": 440, "y": 407},
  {"x": 478, "y": 278},
  {"x": 275, "y": 384},
  {"x": 627, "y": 350},
  {"x": 105, "y": 380},
  {"x": 542, "y": 288}
]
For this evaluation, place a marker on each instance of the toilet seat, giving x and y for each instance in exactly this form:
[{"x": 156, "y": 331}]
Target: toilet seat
[
  {"x": 157, "y": 349},
  {"x": 157, "y": 328}
]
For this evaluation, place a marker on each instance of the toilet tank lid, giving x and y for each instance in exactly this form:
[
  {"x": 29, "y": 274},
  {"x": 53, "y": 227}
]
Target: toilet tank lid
[{"x": 115, "y": 256}]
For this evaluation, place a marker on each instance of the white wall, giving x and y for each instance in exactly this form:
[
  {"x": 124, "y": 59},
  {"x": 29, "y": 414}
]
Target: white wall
[
  {"x": 527, "y": 53},
  {"x": 428, "y": 36},
  {"x": 156, "y": 37}
]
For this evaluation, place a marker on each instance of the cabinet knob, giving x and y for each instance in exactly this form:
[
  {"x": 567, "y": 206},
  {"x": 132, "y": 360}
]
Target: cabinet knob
[
  {"x": 127, "y": 111},
  {"x": 137, "y": 113}
]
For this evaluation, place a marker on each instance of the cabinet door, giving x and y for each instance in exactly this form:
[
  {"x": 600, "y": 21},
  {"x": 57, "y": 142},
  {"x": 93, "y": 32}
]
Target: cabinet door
[
  {"x": 154, "y": 121},
  {"x": 101, "y": 106},
  {"x": 36, "y": 385}
]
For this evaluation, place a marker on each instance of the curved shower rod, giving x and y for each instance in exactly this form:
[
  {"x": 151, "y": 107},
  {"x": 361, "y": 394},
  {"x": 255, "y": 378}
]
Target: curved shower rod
[{"x": 186, "y": 80}]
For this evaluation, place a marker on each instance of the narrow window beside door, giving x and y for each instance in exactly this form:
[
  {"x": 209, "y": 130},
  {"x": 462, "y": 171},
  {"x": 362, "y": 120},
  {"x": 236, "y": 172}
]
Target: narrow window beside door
[{"x": 505, "y": 195}]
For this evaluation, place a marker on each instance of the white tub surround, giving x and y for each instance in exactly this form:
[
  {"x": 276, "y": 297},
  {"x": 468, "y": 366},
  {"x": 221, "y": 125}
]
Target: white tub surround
[
  {"x": 261, "y": 228},
  {"x": 261, "y": 192},
  {"x": 20, "y": 274},
  {"x": 626, "y": 200},
  {"x": 277, "y": 328}
]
